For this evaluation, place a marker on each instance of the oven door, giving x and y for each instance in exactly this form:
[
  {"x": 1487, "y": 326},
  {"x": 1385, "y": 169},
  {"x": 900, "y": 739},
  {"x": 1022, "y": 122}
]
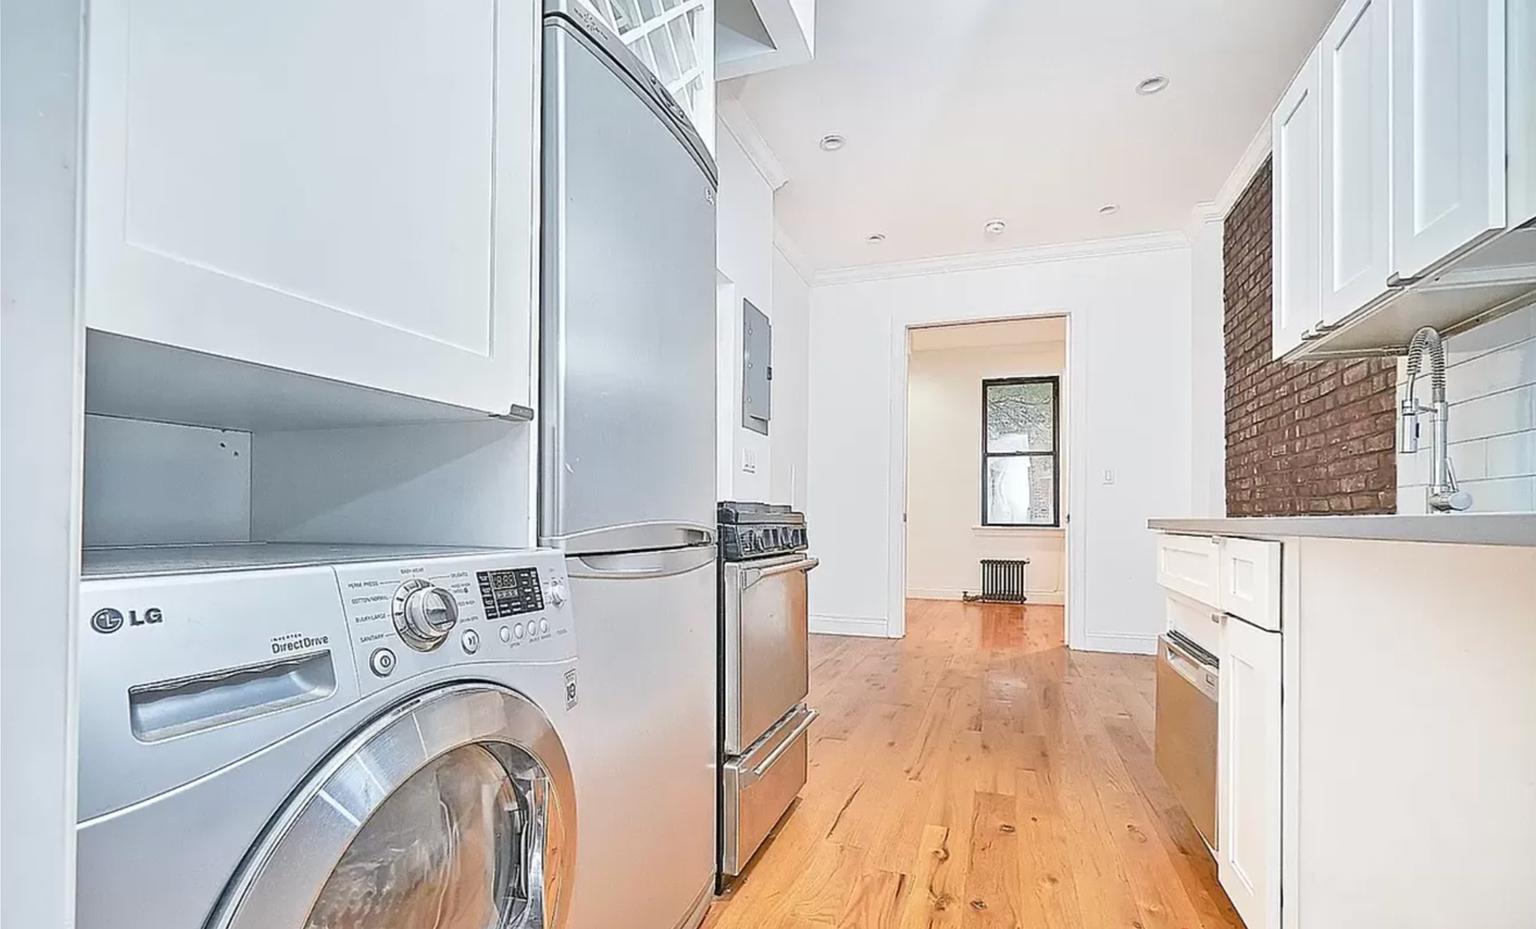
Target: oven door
[{"x": 766, "y": 662}]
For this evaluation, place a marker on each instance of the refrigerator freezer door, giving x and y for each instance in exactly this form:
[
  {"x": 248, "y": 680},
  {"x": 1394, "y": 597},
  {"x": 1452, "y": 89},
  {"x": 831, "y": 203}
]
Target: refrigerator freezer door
[
  {"x": 645, "y": 797},
  {"x": 628, "y": 312}
]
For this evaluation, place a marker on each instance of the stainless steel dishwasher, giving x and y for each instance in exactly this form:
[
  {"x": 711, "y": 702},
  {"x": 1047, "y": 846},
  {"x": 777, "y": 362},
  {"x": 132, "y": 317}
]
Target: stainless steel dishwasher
[{"x": 1188, "y": 688}]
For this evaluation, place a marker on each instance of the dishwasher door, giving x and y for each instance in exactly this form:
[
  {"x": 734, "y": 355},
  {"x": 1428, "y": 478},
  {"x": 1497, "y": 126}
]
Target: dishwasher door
[{"x": 1188, "y": 684}]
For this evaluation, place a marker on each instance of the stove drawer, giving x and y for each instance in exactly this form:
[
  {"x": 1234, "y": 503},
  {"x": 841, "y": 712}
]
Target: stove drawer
[
  {"x": 760, "y": 786},
  {"x": 767, "y": 670}
]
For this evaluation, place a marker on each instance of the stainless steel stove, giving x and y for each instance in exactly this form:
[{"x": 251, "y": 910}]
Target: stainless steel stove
[{"x": 765, "y": 674}]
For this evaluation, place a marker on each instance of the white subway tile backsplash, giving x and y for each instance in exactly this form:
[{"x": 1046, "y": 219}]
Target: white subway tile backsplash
[
  {"x": 1511, "y": 455},
  {"x": 1491, "y": 384}
]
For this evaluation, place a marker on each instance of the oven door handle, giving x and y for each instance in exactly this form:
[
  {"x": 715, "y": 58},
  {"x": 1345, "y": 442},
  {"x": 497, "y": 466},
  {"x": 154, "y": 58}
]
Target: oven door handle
[
  {"x": 782, "y": 747},
  {"x": 753, "y": 575}
]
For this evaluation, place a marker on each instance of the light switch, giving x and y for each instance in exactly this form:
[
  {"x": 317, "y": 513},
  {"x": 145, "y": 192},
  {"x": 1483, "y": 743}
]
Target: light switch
[
  {"x": 749, "y": 461},
  {"x": 1109, "y": 476}
]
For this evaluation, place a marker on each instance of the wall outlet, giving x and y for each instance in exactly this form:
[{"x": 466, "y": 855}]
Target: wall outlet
[{"x": 748, "y": 461}]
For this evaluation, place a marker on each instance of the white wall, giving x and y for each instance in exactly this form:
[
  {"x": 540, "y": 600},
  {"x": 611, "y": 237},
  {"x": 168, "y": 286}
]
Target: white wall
[
  {"x": 945, "y": 538},
  {"x": 1129, "y": 388},
  {"x": 750, "y": 266},
  {"x": 1208, "y": 370},
  {"x": 1491, "y": 384},
  {"x": 744, "y": 257},
  {"x": 791, "y": 317}
]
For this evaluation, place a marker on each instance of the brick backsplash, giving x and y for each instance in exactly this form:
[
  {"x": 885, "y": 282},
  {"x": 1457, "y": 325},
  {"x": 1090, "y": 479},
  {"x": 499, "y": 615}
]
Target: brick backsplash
[{"x": 1307, "y": 438}]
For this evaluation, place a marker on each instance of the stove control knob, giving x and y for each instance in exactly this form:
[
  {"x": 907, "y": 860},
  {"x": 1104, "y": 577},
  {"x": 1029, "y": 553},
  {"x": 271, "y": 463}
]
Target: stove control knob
[{"x": 424, "y": 614}]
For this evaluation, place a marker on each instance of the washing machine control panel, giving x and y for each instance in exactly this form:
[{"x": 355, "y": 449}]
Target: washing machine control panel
[{"x": 410, "y": 617}]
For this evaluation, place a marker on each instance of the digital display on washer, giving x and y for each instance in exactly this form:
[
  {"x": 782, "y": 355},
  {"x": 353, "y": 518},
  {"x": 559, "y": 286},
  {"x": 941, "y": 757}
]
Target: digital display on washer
[{"x": 510, "y": 593}]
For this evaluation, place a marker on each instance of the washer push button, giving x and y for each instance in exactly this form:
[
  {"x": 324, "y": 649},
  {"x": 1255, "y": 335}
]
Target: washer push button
[{"x": 382, "y": 662}]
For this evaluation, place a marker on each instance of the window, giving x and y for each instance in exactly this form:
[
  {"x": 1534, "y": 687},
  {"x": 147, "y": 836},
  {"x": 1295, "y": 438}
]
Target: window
[{"x": 1020, "y": 467}]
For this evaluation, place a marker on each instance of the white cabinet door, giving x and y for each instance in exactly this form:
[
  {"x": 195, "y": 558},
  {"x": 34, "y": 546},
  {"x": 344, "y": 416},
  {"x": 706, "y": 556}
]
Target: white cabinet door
[
  {"x": 1448, "y": 128},
  {"x": 1297, "y": 219},
  {"x": 1248, "y": 781},
  {"x": 1356, "y": 188},
  {"x": 343, "y": 189}
]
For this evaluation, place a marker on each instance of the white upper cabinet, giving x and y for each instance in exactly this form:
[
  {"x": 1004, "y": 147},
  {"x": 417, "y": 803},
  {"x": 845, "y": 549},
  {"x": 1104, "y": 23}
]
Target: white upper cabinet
[
  {"x": 1297, "y": 199},
  {"x": 1448, "y": 128},
  {"x": 1427, "y": 161},
  {"x": 346, "y": 190},
  {"x": 1356, "y": 217}
]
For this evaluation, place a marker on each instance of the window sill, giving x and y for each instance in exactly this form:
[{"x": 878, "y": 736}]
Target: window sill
[{"x": 1018, "y": 530}]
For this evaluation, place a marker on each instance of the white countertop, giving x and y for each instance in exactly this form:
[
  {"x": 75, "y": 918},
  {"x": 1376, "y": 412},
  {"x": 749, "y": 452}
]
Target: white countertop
[{"x": 1517, "y": 529}]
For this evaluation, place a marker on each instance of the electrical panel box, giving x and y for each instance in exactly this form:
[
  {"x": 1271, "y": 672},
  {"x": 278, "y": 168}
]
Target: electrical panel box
[{"x": 756, "y": 368}]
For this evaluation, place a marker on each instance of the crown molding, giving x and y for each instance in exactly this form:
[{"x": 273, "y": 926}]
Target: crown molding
[
  {"x": 734, "y": 117},
  {"x": 792, "y": 253},
  {"x": 1247, "y": 166},
  {"x": 981, "y": 261}
]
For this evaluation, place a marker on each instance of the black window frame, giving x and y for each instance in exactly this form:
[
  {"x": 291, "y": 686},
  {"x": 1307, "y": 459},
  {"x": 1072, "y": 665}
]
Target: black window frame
[{"x": 1054, "y": 454}]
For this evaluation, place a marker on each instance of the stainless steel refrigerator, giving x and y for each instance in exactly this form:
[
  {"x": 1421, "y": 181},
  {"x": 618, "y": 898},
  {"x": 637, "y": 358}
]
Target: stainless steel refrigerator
[{"x": 627, "y": 472}]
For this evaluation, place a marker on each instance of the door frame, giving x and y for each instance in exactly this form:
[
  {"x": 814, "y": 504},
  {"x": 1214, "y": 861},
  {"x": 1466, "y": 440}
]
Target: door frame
[{"x": 1075, "y": 377}]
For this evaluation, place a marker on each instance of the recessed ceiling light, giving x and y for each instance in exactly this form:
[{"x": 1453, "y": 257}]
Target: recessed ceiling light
[
  {"x": 875, "y": 239},
  {"x": 831, "y": 143},
  {"x": 1109, "y": 209},
  {"x": 1152, "y": 85},
  {"x": 995, "y": 227}
]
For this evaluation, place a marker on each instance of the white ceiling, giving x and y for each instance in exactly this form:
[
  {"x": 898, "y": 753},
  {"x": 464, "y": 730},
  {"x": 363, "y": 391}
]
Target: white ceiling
[{"x": 1024, "y": 110}]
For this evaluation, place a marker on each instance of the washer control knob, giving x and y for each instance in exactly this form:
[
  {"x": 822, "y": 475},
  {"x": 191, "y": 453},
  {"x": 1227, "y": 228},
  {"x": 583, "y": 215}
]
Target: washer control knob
[
  {"x": 424, "y": 614},
  {"x": 557, "y": 594},
  {"x": 382, "y": 662},
  {"x": 471, "y": 641}
]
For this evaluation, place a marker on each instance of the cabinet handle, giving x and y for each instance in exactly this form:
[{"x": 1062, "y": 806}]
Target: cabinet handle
[
  {"x": 1395, "y": 280},
  {"x": 1216, "y": 618}
]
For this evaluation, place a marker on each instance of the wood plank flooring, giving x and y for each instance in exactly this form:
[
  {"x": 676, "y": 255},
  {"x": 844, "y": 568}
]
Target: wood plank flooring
[{"x": 978, "y": 775}]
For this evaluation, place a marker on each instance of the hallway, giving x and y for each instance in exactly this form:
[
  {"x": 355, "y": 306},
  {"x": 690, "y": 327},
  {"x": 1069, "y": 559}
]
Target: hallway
[{"x": 978, "y": 774}]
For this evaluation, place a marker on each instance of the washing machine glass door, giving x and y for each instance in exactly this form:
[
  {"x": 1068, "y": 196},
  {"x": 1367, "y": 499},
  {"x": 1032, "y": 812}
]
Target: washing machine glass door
[{"x": 455, "y": 811}]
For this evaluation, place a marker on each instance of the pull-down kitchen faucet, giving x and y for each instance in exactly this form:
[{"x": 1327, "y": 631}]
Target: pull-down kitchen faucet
[{"x": 1444, "y": 496}]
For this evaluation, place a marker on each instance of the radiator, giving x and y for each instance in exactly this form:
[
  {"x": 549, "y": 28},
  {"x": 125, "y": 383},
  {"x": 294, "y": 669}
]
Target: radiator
[{"x": 1002, "y": 581}]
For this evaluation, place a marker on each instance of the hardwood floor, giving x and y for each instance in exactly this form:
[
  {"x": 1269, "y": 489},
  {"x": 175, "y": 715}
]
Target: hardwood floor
[{"x": 977, "y": 774}]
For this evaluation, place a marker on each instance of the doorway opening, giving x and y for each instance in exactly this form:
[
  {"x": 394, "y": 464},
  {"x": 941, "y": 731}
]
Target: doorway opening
[{"x": 986, "y": 474}]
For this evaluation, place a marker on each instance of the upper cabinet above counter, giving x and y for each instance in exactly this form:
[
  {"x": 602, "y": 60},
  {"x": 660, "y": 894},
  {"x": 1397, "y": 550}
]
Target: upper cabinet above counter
[
  {"x": 1405, "y": 175},
  {"x": 763, "y": 35},
  {"x": 339, "y": 200}
]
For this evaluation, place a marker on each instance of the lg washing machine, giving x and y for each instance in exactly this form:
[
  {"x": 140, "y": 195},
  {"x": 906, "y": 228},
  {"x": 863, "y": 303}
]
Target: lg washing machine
[{"x": 322, "y": 737}]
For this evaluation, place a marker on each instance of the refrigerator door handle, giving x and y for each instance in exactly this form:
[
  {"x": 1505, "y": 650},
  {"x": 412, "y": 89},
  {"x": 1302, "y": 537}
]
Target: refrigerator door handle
[
  {"x": 641, "y": 565},
  {"x": 633, "y": 537}
]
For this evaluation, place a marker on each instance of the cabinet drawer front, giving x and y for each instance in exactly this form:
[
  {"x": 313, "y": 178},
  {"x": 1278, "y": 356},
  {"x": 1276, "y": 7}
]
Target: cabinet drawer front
[
  {"x": 1250, "y": 581},
  {"x": 1199, "y": 622},
  {"x": 1188, "y": 564}
]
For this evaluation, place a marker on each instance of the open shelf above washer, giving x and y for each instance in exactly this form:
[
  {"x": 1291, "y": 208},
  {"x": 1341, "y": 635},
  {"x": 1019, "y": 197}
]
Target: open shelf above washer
[{"x": 134, "y": 379}]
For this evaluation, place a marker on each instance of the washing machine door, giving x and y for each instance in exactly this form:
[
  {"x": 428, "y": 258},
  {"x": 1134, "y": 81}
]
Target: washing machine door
[{"x": 455, "y": 810}]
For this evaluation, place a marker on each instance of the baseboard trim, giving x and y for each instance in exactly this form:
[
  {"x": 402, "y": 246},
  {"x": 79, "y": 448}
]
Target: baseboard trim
[
  {"x": 1123, "y": 643},
  {"x": 1045, "y": 598},
  {"x": 867, "y": 626}
]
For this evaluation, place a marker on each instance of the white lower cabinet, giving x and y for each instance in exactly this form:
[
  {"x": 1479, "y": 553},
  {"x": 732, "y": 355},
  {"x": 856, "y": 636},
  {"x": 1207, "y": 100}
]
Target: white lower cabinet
[
  {"x": 344, "y": 190},
  {"x": 1249, "y": 769}
]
